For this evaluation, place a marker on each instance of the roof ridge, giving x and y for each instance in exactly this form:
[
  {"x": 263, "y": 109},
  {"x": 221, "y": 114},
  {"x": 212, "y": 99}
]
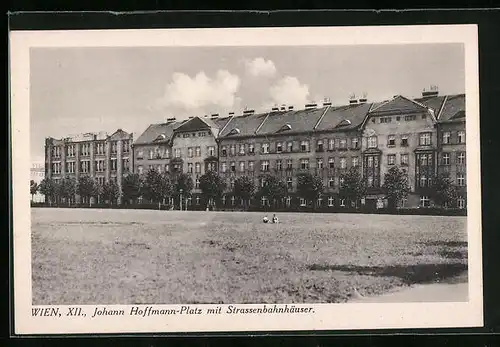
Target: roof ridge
[
  {"x": 442, "y": 107},
  {"x": 262, "y": 123},
  {"x": 321, "y": 117},
  {"x": 227, "y": 123}
]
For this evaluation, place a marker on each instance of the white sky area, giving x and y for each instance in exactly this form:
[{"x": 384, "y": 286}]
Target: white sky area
[{"x": 75, "y": 90}]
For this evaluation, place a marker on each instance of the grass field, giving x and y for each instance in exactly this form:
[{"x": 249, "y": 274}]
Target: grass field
[{"x": 138, "y": 256}]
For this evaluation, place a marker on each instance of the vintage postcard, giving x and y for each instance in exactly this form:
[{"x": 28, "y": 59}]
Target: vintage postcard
[{"x": 251, "y": 179}]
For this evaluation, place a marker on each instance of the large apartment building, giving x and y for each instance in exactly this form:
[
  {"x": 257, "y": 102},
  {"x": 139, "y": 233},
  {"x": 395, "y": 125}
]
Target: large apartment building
[
  {"x": 423, "y": 136},
  {"x": 98, "y": 155}
]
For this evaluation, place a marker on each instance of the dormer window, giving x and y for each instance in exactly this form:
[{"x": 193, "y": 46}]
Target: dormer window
[
  {"x": 285, "y": 127},
  {"x": 234, "y": 131}
]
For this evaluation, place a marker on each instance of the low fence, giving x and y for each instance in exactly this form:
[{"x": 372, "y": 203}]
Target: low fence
[{"x": 431, "y": 211}]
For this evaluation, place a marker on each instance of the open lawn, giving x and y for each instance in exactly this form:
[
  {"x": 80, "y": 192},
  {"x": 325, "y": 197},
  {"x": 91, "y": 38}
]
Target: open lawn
[{"x": 86, "y": 256}]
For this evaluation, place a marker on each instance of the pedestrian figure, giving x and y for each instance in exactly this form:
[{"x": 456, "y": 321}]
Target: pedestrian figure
[
  {"x": 265, "y": 220},
  {"x": 275, "y": 219}
]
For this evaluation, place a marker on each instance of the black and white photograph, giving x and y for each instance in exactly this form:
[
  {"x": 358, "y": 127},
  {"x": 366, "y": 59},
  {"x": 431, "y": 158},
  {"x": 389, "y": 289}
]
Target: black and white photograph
[{"x": 259, "y": 179}]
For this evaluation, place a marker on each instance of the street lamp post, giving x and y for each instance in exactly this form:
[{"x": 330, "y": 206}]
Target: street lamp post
[{"x": 180, "y": 199}]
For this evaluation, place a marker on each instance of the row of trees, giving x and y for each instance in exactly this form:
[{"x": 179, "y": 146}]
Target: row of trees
[{"x": 162, "y": 188}]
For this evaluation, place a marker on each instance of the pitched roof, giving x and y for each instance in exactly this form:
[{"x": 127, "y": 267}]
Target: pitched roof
[
  {"x": 434, "y": 103},
  {"x": 300, "y": 120},
  {"x": 454, "y": 108},
  {"x": 246, "y": 124},
  {"x": 399, "y": 104},
  {"x": 154, "y": 132},
  {"x": 344, "y": 117}
]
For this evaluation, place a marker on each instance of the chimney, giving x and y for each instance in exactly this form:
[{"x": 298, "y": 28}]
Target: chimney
[
  {"x": 275, "y": 109},
  {"x": 363, "y": 99},
  {"x": 432, "y": 92},
  {"x": 248, "y": 112},
  {"x": 327, "y": 103},
  {"x": 311, "y": 106},
  {"x": 171, "y": 119},
  {"x": 231, "y": 113},
  {"x": 352, "y": 99},
  {"x": 215, "y": 115},
  {"x": 283, "y": 108},
  {"x": 290, "y": 108},
  {"x": 190, "y": 117}
]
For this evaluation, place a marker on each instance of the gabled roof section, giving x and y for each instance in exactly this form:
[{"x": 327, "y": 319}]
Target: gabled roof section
[
  {"x": 434, "y": 103},
  {"x": 246, "y": 124},
  {"x": 195, "y": 124},
  {"x": 398, "y": 104},
  {"x": 344, "y": 117},
  {"x": 300, "y": 120},
  {"x": 453, "y": 109},
  {"x": 155, "y": 131},
  {"x": 119, "y": 134}
]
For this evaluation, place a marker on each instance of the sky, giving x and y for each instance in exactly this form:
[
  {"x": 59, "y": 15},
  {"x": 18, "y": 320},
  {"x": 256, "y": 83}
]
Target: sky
[{"x": 75, "y": 90}]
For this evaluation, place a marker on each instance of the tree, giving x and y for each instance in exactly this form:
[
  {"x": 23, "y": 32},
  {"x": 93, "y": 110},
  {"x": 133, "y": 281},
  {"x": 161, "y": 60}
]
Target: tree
[
  {"x": 131, "y": 187},
  {"x": 353, "y": 188},
  {"x": 309, "y": 187},
  {"x": 272, "y": 188},
  {"x": 50, "y": 189},
  {"x": 444, "y": 192},
  {"x": 67, "y": 189},
  {"x": 156, "y": 187},
  {"x": 244, "y": 189},
  {"x": 184, "y": 182},
  {"x": 33, "y": 188},
  {"x": 86, "y": 187},
  {"x": 110, "y": 191},
  {"x": 396, "y": 186},
  {"x": 212, "y": 187}
]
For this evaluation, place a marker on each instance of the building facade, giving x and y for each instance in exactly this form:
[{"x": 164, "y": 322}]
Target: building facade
[
  {"x": 423, "y": 137},
  {"x": 100, "y": 156},
  {"x": 37, "y": 174}
]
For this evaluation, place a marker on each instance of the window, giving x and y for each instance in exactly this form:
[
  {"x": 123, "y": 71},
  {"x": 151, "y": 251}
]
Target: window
[
  {"x": 70, "y": 167},
  {"x": 242, "y": 166},
  {"x": 100, "y": 148},
  {"x": 369, "y": 181},
  {"x": 288, "y": 201},
  {"x": 425, "y": 139},
  {"x": 369, "y": 161},
  {"x": 343, "y": 144},
  {"x": 302, "y": 202},
  {"x": 232, "y": 200},
  {"x": 233, "y": 166},
  {"x": 341, "y": 181},
  {"x": 355, "y": 143},
  {"x": 85, "y": 149},
  {"x": 355, "y": 161},
  {"x": 202, "y": 134},
  {"x": 197, "y": 168},
  {"x": 263, "y": 201},
  {"x": 342, "y": 203},
  {"x": 197, "y": 184},
  {"x": 461, "y": 137},
  {"x": 410, "y": 117},
  {"x": 211, "y": 151},
  {"x": 85, "y": 165},
  {"x": 198, "y": 152},
  {"x": 391, "y": 141},
  {"x": 151, "y": 154},
  {"x": 158, "y": 168},
  {"x": 289, "y": 146},
  {"x": 251, "y": 148},
  {"x": 140, "y": 169},
  {"x": 113, "y": 164},
  {"x": 331, "y": 163},
  {"x": 264, "y": 165},
  {"x": 99, "y": 165},
  {"x": 167, "y": 168},
  {"x": 372, "y": 142},
  {"x": 211, "y": 167},
  {"x": 71, "y": 151},
  {"x": 331, "y": 182},
  {"x": 224, "y": 167},
  {"x": 250, "y": 165},
  {"x": 100, "y": 180},
  {"x": 404, "y": 159},
  {"x": 279, "y": 165},
  {"x": 289, "y": 183},
  {"x": 197, "y": 199},
  {"x": 320, "y": 201},
  {"x": 177, "y": 167},
  {"x": 167, "y": 153},
  {"x": 445, "y": 159},
  {"x": 224, "y": 151},
  {"x": 304, "y": 164},
  {"x": 126, "y": 146},
  {"x": 331, "y": 144},
  {"x": 404, "y": 140},
  {"x": 185, "y": 135},
  {"x": 279, "y": 147},
  {"x": 265, "y": 148},
  {"x": 319, "y": 163},
  {"x": 232, "y": 150},
  {"x": 190, "y": 152},
  {"x": 242, "y": 149},
  {"x": 262, "y": 182},
  {"x": 460, "y": 179},
  {"x": 304, "y": 146},
  {"x": 177, "y": 152},
  {"x": 385, "y": 119},
  {"x": 330, "y": 201},
  {"x": 446, "y": 137},
  {"x": 190, "y": 167},
  {"x": 113, "y": 147},
  {"x": 319, "y": 146},
  {"x": 461, "y": 202},
  {"x": 223, "y": 200},
  {"x": 343, "y": 163},
  {"x": 425, "y": 201},
  {"x": 391, "y": 159},
  {"x": 461, "y": 158},
  {"x": 289, "y": 164}
]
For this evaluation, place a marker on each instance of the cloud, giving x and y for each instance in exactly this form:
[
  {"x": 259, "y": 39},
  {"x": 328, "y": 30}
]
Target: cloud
[
  {"x": 195, "y": 93},
  {"x": 289, "y": 91},
  {"x": 260, "y": 67}
]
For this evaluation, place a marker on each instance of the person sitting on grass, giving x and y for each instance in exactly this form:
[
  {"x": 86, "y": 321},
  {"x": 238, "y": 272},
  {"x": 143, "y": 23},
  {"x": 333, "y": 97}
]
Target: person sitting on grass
[
  {"x": 265, "y": 220},
  {"x": 275, "y": 219}
]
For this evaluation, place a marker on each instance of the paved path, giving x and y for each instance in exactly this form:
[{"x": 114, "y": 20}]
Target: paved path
[{"x": 438, "y": 292}]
